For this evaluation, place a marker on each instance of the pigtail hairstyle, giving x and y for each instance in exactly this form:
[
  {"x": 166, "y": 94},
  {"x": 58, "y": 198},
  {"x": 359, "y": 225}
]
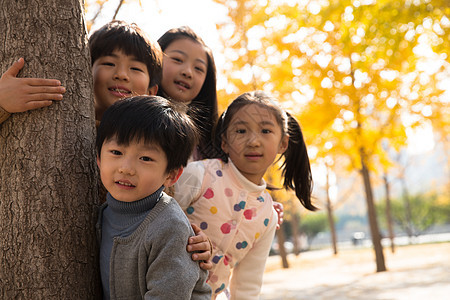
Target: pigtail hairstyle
[{"x": 296, "y": 168}]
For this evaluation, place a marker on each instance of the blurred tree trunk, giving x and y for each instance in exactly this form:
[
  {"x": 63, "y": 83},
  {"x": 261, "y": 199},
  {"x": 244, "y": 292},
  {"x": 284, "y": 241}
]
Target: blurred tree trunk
[
  {"x": 408, "y": 224},
  {"x": 296, "y": 234},
  {"x": 330, "y": 214},
  {"x": 48, "y": 185},
  {"x": 410, "y": 230},
  {"x": 388, "y": 212},
  {"x": 374, "y": 231},
  {"x": 281, "y": 239}
]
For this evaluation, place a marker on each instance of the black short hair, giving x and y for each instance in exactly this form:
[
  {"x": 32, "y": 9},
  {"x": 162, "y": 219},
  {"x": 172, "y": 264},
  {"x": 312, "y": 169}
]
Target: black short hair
[
  {"x": 151, "y": 119},
  {"x": 132, "y": 40}
]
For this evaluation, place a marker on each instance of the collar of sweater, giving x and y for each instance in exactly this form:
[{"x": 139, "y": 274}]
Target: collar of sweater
[
  {"x": 244, "y": 182},
  {"x": 136, "y": 207}
]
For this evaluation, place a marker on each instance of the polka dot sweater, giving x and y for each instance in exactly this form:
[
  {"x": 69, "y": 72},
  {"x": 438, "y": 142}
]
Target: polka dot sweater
[{"x": 238, "y": 217}]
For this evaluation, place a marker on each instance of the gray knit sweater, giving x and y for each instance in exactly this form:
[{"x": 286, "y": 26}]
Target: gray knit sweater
[{"x": 152, "y": 262}]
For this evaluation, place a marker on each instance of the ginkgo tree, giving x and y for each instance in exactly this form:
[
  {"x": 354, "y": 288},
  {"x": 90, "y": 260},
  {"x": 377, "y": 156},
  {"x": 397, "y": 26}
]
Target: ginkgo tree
[{"x": 355, "y": 73}]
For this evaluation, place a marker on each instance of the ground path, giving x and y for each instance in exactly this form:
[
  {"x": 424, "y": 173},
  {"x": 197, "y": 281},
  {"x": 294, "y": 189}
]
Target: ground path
[{"x": 414, "y": 272}]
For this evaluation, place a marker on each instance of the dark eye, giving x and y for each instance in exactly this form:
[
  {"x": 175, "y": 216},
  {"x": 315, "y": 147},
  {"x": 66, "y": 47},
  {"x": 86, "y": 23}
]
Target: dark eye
[
  {"x": 108, "y": 64},
  {"x": 266, "y": 131},
  {"x": 137, "y": 69},
  {"x": 146, "y": 158},
  {"x": 176, "y": 59},
  {"x": 240, "y": 130},
  {"x": 116, "y": 152},
  {"x": 200, "y": 69}
]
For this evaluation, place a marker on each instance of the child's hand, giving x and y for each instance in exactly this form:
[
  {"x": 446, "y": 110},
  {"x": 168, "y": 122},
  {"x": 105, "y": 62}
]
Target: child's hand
[
  {"x": 202, "y": 245},
  {"x": 22, "y": 94},
  {"x": 279, "y": 209}
]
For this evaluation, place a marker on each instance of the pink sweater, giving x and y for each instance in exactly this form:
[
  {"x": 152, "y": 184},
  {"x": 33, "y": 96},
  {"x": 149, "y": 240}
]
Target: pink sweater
[{"x": 238, "y": 217}]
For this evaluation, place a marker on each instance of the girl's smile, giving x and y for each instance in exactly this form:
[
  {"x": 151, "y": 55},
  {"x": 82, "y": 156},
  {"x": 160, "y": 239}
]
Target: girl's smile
[{"x": 253, "y": 156}]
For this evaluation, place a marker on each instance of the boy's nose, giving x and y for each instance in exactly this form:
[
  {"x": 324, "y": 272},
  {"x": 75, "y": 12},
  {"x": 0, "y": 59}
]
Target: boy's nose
[
  {"x": 121, "y": 74},
  {"x": 127, "y": 169}
]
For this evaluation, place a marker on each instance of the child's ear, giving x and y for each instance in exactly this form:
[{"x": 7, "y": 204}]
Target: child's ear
[
  {"x": 98, "y": 161},
  {"x": 153, "y": 90},
  {"x": 224, "y": 144},
  {"x": 173, "y": 176},
  {"x": 284, "y": 143}
]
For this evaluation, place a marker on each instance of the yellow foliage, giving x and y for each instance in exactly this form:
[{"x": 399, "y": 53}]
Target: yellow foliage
[
  {"x": 351, "y": 74},
  {"x": 348, "y": 63}
]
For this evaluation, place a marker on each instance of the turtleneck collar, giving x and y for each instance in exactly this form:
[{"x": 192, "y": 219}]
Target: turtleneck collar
[
  {"x": 244, "y": 182},
  {"x": 135, "y": 207}
]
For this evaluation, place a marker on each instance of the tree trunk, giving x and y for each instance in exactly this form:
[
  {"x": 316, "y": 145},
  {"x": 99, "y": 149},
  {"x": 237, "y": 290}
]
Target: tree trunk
[
  {"x": 389, "y": 213},
  {"x": 48, "y": 178},
  {"x": 295, "y": 234},
  {"x": 374, "y": 231},
  {"x": 281, "y": 239},
  {"x": 410, "y": 230},
  {"x": 330, "y": 216}
]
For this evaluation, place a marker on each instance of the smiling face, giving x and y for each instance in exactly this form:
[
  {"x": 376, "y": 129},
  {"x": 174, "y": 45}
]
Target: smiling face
[
  {"x": 135, "y": 171},
  {"x": 184, "y": 69},
  {"x": 253, "y": 140},
  {"x": 117, "y": 76}
]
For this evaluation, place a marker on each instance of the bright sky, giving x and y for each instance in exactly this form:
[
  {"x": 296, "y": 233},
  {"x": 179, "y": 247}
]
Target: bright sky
[{"x": 158, "y": 16}]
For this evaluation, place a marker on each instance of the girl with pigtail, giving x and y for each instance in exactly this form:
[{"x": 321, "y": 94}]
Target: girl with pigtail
[{"x": 226, "y": 195}]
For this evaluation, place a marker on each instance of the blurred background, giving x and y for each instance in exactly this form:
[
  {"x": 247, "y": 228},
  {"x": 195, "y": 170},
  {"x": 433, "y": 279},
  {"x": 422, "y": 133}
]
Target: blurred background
[{"x": 368, "y": 80}]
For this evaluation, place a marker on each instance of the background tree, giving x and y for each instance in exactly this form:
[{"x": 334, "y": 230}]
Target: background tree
[
  {"x": 48, "y": 183},
  {"x": 312, "y": 224},
  {"x": 426, "y": 210},
  {"x": 388, "y": 213},
  {"x": 97, "y": 8},
  {"x": 273, "y": 179},
  {"x": 330, "y": 210}
]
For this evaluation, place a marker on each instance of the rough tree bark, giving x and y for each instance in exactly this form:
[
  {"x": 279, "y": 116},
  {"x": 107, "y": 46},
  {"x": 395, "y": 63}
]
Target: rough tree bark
[{"x": 48, "y": 179}]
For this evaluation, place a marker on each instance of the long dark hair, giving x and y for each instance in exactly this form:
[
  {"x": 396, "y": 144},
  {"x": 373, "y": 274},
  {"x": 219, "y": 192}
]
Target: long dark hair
[
  {"x": 296, "y": 168},
  {"x": 203, "y": 108}
]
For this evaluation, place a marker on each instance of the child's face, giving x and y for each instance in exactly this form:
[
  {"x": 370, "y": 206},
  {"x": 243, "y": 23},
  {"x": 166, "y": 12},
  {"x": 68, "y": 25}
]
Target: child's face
[
  {"x": 135, "y": 171},
  {"x": 252, "y": 141},
  {"x": 117, "y": 76},
  {"x": 184, "y": 70}
]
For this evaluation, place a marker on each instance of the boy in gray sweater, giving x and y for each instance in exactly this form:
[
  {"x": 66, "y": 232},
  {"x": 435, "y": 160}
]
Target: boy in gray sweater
[{"x": 143, "y": 143}]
